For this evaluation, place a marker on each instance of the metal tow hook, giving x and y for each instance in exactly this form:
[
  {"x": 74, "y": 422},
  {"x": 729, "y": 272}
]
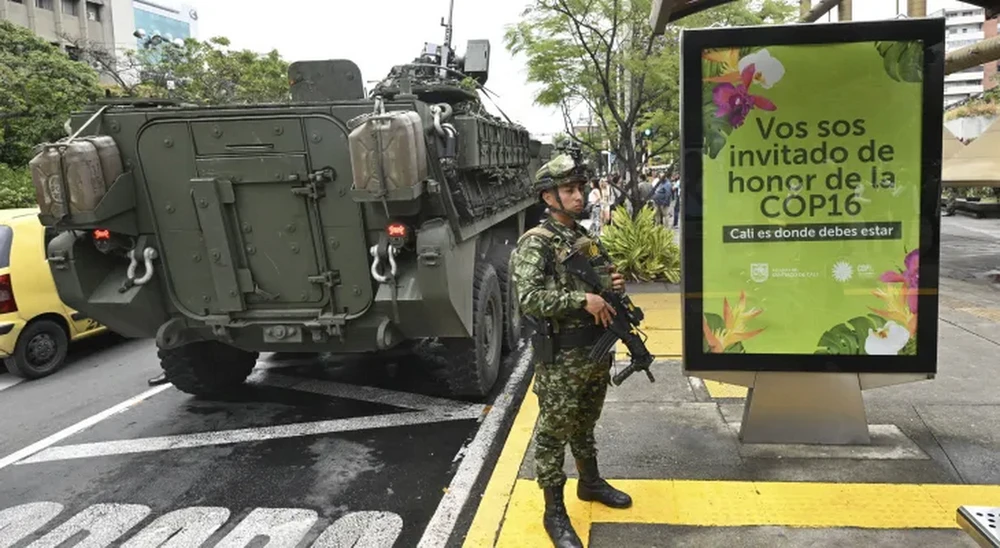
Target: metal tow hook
[
  {"x": 148, "y": 255},
  {"x": 390, "y": 252}
]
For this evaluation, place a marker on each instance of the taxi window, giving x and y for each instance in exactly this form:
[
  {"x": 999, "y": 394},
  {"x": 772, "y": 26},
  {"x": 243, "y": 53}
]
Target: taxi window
[{"x": 6, "y": 237}]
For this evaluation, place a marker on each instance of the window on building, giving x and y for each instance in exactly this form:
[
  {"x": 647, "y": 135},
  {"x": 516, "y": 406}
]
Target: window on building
[
  {"x": 93, "y": 12},
  {"x": 45, "y": 5},
  {"x": 17, "y": 1},
  {"x": 71, "y": 7}
]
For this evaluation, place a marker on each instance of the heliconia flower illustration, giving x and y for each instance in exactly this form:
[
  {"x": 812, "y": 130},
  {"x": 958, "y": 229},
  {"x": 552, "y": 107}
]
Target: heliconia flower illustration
[
  {"x": 734, "y": 328},
  {"x": 730, "y": 61},
  {"x": 768, "y": 69},
  {"x": 909, "y": 277},
  {"x": 887, "y": 341},
  {"x": 735, "y": 102},
  {"x": 896, "y": 307}
]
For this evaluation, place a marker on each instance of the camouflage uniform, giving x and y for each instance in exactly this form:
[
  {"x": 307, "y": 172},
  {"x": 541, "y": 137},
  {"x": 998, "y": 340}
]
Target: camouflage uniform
[{"x": 570, "y": 387}]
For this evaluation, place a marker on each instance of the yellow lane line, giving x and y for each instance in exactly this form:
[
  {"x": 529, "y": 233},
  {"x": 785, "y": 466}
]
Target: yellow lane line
[
  {"x": 718, "y": 389},
  {"x": 486, "y": 523},
  {"x": 739, "y": 503}
]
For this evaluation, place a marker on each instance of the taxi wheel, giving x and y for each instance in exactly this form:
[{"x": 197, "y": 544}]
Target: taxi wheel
[{"x": 41, "y": 350}]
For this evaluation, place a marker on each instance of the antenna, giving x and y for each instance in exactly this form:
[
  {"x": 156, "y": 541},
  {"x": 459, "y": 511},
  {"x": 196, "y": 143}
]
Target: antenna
[{"x": 448, "y": 29}]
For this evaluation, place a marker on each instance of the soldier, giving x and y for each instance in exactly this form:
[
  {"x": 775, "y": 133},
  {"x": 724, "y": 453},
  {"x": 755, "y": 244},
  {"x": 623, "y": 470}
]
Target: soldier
[{"x": 567, "y": 320}]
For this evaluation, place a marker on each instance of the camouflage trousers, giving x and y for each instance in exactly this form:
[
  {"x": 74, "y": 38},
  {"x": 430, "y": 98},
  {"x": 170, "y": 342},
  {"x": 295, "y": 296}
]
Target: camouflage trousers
[{"x": 571, "y": 393}]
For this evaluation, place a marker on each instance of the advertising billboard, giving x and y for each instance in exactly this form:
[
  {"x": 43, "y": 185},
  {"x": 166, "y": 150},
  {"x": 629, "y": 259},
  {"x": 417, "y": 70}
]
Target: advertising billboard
[{"x": 811, "y": 183}]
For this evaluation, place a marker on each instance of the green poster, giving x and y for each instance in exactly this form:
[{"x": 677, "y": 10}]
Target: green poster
[{"x": 811, "y": 193}]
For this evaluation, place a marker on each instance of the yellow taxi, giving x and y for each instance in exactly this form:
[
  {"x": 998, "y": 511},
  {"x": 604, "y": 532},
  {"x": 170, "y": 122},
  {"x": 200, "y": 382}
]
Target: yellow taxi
[{"x": 36, "y": 327}]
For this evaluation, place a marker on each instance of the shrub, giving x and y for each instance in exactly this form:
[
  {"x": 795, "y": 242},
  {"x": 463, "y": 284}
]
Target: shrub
[
  {"x": 641, "y": 249},
  {"x": 16, "y": 189}
]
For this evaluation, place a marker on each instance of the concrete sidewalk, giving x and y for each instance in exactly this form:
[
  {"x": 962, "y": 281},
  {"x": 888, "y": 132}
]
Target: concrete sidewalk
[{"x": 673, "y": 446}]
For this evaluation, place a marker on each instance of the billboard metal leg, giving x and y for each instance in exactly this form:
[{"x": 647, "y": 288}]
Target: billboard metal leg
[{"x": 805, "y": 408}]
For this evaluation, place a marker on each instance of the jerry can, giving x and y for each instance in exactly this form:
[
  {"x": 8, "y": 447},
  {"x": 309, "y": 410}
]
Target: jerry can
[
  {"x": 73, "y": 176},
  {"x": 389, "y": 152}
]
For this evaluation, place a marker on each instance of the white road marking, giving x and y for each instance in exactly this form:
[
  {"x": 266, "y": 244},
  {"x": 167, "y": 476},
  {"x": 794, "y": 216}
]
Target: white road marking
[
  {"x": 243, "y": 435},
  {"x": 192, "y": 526},
  {"x": 6, "y": 381},
  {"x": 181, "y": 528},
  {"x": 442, "y": 523},
  {"x": 20, "y": 521},
  {"x": 362, "y": 530},
  {"x": 368, "y": 394},
  {"x": 283, "y": 527},
  {"x": 104, "y": 523},
  {"x": 80, "y": 426}
]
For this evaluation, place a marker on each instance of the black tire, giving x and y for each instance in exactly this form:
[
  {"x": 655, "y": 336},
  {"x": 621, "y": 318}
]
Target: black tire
[
  {"x": 511, "y": 316},
  {"x": 207, "y": 368},
  {"x": 474, "y": 364},
  {"x": 40, "y": 351}
]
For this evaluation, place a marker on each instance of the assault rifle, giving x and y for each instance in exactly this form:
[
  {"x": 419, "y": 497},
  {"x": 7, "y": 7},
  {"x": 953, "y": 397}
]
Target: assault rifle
[{"x": 624, "y": 323}]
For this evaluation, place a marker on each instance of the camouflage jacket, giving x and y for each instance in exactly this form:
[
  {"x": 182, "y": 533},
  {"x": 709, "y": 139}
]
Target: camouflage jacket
[{"x": 544, "y": 289}]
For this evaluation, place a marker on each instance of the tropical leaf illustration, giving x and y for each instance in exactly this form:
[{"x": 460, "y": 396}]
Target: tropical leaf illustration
[
  {"x": 849, "y": 337},
  {"x": 903, "y": 61}
]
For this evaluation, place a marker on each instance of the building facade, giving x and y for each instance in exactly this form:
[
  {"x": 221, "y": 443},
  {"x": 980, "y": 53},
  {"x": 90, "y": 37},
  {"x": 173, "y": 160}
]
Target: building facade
[
  {"x": 965, "y": 25},
  {"x": 169, "y": 19},
  {"x": 63, "y": 22}
]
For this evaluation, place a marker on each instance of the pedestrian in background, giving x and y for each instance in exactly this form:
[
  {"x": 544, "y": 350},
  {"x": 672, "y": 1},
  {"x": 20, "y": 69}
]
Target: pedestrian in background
[
  {"x": 676, "y": 187},
  {"x": 662, "y": 195}
]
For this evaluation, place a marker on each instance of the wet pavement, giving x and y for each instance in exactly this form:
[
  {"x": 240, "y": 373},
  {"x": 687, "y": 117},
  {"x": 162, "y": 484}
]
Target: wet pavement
[{"x": 311, "y": 452}]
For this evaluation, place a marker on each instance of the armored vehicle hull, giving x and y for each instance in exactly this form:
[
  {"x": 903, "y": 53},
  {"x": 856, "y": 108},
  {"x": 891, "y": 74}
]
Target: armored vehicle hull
[{"x": 337, "y": 223}]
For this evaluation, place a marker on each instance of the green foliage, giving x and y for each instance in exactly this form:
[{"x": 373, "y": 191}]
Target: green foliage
[
  {"x": 40, "y": 87},
  {"x": 716, "y": 323},
  {"x": 600, "y": 56},
  {"x": 16, "y": 189},
  {"x": 903, "y": 61},
  {"x": 641, "y": 249},
  {"x": 849, "y": 338},
  {"x": 208, "y": 72}
]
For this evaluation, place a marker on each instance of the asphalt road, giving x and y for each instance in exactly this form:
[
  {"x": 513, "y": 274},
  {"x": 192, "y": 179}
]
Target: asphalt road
[
  {"x": 970, "y": 249},
  {"x": 311, "y": 453}
]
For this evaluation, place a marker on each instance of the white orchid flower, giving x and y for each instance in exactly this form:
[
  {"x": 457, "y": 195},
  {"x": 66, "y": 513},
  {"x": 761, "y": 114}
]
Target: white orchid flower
[
  {"x": 887, "y": 341},
  {"x": 767, "y": 69}
]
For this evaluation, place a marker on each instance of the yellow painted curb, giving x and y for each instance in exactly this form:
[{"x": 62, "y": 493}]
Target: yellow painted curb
[
  {"x": 718, "y": 389},
  {"x": 493, "y": 506},
  {"x": 740, "y": 503}
]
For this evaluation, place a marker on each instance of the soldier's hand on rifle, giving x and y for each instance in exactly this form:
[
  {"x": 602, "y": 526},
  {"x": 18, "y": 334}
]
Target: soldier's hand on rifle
[
  {"x": 599, "y": 309},
  {"x": 617, "y": 282}
]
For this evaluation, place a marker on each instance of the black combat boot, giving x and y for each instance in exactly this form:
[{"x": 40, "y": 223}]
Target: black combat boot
[
  {"x": 556, "y": 520},
  {"x": 592, "y": 488}
]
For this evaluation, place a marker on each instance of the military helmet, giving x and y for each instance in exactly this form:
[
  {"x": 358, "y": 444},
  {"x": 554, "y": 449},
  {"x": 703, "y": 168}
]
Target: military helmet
[{"x": 560, "y": 170}]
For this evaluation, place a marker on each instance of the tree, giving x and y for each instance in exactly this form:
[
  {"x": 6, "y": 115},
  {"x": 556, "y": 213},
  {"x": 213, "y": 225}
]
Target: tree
[
  {"x": 601, "y": 55},
  {"x": 205, "y": 72},
  {"x": 40, "y": 86}
]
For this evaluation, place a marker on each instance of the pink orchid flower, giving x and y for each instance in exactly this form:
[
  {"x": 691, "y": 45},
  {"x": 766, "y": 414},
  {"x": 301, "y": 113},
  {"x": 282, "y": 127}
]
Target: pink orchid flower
[
  {"x": 909, "y": 277},
  {"x": 735, "y": 102}
]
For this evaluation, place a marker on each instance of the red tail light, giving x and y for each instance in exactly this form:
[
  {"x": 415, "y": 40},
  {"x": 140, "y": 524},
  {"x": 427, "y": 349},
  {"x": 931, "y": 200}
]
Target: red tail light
[
  {"x": 396, "y": 230},
  {"x": 7, "y": 302}
]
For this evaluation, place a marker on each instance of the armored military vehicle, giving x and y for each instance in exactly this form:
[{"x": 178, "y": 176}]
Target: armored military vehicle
[{"x": 344, "y": 222}]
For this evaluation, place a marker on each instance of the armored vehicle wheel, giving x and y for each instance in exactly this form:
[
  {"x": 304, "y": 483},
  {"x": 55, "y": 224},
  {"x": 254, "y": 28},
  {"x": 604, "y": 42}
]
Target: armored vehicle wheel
[
  {"x": 474, "y": 364},
  {"x": 511, "y": 316},
  {"x": 206, "y": 368}
]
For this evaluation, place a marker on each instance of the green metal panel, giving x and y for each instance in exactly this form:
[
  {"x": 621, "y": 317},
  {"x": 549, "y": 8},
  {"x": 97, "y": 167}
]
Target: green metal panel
[
  {"x": 278, "y": 244},
  {"x": 211, "y": 197},
  {"x": 341, "y": 217},
  {"x": 243, "y": 136}
]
